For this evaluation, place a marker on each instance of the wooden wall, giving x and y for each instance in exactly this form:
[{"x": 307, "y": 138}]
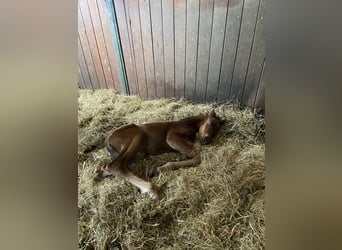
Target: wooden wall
[
  {"x": 97, "y": 62},
  {"x": 203, "y": 50}
]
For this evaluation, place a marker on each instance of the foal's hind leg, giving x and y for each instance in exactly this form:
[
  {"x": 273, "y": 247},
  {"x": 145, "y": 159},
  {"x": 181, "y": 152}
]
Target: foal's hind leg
[
  {"x": 114, "y": 153},
  {"x": 119, "y": 166}
]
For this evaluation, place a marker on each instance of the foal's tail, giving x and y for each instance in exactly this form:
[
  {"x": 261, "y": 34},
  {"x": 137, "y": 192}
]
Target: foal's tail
[{"x": 113, "y": 153}]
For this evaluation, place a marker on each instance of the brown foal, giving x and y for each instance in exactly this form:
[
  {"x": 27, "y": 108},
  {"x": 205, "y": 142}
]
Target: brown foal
[{"x": 132, "y": 142}]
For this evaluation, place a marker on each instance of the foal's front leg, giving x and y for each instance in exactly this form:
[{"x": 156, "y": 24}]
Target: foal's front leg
[{"x": 185, "y": 147}]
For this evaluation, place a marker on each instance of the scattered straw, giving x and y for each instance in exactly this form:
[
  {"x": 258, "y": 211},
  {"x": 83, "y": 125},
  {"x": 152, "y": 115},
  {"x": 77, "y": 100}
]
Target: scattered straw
[{"x": 218, "y": 205}]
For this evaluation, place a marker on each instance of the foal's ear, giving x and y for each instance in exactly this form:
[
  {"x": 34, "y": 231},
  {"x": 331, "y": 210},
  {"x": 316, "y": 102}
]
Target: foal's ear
[
  {"x": 212, "y": 113},
  {"x": 222, "y": 121}
]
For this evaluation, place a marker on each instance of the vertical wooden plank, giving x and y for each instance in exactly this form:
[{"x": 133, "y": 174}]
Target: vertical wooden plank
[
  {"x": 134, "y": 17},
  {"x": 169, "y": 66},
  {"x": 216, "y": 50},
  {"x": 229, "y": 49},
  {"x": 192, "y": 25},
  {"x": 109, "y": 43},
  {"x": 84, "y": 68},
  {"x": 147, "y": 43},
  {"x": 180, "y": 49},
  {"x": 80, "y": 78},
  {"x": 256, "y": 61},
  {"x": 123, "y": 19},
  {"x": 121, "y": 69},
  {"x": 87, "y": 51},
  {"x": 260, "y": 100},
  {"x": 92, "y": 42},
  {"x": 249, "y": 18},
  {"x": 99, "y": 39},
  {"x": 260, "y": 96},
  {"x": 158, "y": 47},
  {"x": 205, "y": 28}
]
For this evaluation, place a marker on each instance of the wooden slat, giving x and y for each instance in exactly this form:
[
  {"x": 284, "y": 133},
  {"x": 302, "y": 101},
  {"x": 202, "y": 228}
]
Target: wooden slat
[
  {"x": 205, "y": 27},
  {"x": 80, "y": 78},
  {"x": 158, "y": 49},
  {"x": 121, "y": 11},
  {"x": 169, "y": 56},
  {"x": 256, "y": 61},
  {"x": 249, "y": 18},
  {"x": 83, "y": 67},
  {"x": 87, "y": 51},
  {"x": 146, "y": 34},
  {"x": 92, "y": 43},
  {"x": 260, "y": 96},
  {"x": 180, "y": 50},
  {"x": 191, "y": 47},
  {"x": 134, "y": 17},
  {"x": 108, "y": 38},
  {"x": 218, "y": 30},
  {"x": 109, "y": 5},
  {"x": 229, "y": 50},
  {"x": 100, "y": 42}
]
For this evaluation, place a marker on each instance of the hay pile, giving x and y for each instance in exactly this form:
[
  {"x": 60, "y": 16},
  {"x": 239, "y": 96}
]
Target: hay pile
[{"x": 218, "y": 205}]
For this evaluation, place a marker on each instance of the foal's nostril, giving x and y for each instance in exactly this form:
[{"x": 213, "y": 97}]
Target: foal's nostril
[{"x": 205, "y": 140}]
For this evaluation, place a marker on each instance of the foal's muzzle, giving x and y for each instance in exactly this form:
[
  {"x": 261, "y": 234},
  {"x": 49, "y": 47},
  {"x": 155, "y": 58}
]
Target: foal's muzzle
[{"x": 205, "y": 140}]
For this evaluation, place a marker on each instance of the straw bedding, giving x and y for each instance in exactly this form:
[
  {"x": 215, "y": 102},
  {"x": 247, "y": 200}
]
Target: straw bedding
[{"x": 217, "y": 205}]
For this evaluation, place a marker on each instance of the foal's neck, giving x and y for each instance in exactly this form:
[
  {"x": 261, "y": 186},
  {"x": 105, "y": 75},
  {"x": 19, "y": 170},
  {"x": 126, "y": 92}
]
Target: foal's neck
[{"x": 194, "y": 121}]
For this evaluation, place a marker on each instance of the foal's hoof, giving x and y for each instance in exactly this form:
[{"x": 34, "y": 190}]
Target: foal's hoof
[
  {"x": 106, "y": 174},
  {"x": 152, "y": 192},
  {"x": 105, "y": 171},
  {"x": 153, "y": 195}
]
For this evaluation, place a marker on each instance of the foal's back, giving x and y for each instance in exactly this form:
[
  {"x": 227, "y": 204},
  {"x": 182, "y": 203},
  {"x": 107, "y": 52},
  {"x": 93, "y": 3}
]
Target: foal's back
[{"x": 154, "y": 135}]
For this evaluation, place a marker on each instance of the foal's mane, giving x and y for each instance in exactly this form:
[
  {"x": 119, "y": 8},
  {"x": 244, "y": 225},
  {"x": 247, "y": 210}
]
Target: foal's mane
[{"x": 193, "y": 118}]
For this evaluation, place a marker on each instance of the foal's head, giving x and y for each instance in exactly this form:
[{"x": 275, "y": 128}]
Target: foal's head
[{"x": 209, "y": 126}]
